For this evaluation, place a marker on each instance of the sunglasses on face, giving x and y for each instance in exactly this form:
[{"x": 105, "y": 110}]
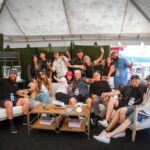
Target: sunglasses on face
[{"x": 41, "y": 74}]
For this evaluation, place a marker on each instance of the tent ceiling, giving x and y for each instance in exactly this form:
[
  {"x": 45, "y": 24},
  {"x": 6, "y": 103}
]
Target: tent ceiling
[{"x": 35, "y": 21}]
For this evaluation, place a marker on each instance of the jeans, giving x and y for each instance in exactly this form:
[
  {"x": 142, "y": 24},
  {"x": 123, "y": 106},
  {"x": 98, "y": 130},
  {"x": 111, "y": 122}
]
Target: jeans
[{"x": 42, "y": 97}]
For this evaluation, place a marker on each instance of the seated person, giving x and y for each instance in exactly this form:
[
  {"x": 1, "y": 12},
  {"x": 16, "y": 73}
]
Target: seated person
[
  {"x": 131, "y": 95},
  {"x": 79, "y": 89},
  {"x": 97, "y": 87},
  {"x": 43, "y": 87},
  {"x": 62, "y": 93},
  {"x": 120, "y": 116},
  {"x": 9, "y": 98}
]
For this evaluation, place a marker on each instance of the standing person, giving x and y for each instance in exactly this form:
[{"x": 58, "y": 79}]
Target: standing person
[
  {"x": 130, "y": 95},
  {"x": 60, "y": 65},
  {"x": 43, "y": 88},
  {"x": 64, "y": 89},
  {"x": 33, "y": 68},
  {"x": 108, "y": 71},
  {"x": 9, "y": 93},
  {"x": 121, "y": 66},
  {"x": 78, "y": 60},
  {"x": 45, "y": 64},
  {"x": 88, "y": 66},
  {"x": 106, "y": 135}
]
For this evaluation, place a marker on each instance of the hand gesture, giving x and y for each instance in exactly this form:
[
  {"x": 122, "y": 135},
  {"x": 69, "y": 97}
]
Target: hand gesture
[
  {"x": 102, "y": 49},
  {"x": 67, "y": 53}
]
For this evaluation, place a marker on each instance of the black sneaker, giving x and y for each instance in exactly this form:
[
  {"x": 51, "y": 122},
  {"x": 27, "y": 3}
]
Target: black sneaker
[
  {"x": 94, "y": 121},
  {"x": 13, "y": 129},
  {"x": 25, "y": 121}
]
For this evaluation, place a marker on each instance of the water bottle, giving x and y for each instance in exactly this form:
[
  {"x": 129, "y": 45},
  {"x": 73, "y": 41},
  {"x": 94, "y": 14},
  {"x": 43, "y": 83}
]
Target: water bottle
[{"x": 12, "y": 98}]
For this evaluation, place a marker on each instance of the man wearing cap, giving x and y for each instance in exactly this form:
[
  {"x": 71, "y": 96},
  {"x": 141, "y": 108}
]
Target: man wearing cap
[
  {"x": 125, "y": 116},
  {"x": 9, "y": 98},
  {"x": 130, "y": 95},
  {"x": 121, "y": 67}
]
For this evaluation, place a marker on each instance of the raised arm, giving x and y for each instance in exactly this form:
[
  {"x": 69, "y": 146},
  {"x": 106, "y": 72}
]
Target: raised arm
[
  {"x": 68, "y": 55},
  {"x": 100, "y": 57}
]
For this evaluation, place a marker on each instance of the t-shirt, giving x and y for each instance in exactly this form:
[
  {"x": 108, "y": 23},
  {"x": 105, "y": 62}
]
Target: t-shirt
[
  {"x": 98, "y": 87},
  {"x": 60, "y": 67},
  {"x": 121, "y": 74},
  {"x": 6, "y": 88},
  {"x": 63, "y": 85},
  {"x": 129, "y": 91},
  {"x": 80, "y": 87}
]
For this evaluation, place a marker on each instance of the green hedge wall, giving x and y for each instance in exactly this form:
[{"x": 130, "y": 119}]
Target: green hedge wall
[{"x": 26, "y": 53}]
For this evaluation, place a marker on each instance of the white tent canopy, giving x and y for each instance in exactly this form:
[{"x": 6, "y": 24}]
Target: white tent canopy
[{"x": 59, "y": 22}]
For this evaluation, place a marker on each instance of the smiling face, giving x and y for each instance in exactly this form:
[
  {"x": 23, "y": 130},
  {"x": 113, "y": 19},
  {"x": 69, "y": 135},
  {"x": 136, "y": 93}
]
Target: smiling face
[
  {"x": 80, "y": 55},
  {"x": 109, "y": 59},
  {"x": 12, "y": 76},
  {"x": 35, "y": 59},
  {"x": 77, "y": 74},
  {"x": 96, "y": 76},
  {"x": 148, "y": 83},
  {"x": 42, "y": 56},
  {"x": 56, "y": 55},
  {"x": 135, "y": 82}
]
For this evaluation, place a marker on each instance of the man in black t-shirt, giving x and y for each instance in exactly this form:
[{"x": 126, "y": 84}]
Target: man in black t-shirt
[
  {"x": 97, "y": 87},
  {"x": 130, "y": 95},
  {"x": 9, "y": 93}
]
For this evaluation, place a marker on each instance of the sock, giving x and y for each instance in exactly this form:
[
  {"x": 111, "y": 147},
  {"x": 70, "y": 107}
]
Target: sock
[
  {"x": 11, "y": 122},
  {"x": 25, "y": 118}
]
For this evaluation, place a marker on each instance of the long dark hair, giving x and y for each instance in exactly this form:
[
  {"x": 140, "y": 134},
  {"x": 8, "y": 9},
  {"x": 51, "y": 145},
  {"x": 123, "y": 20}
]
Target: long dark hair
[{"x": 44, "y": 80}]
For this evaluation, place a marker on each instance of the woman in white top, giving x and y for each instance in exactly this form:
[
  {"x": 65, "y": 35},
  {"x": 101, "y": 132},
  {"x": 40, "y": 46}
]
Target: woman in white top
[
  {"x": 43, "y": 88},
  {"x": 64, "y": 89}
]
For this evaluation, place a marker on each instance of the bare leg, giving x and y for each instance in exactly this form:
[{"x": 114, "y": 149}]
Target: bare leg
[
  {"x": 89, "y": 102},
  {"x": 72, "y": 101},
  {"x": 114, "y": 120},
  {"x": 119, "y": 129},
  {"x": 112, "y": 103},
  {"x": 9, "y": 109},
  {"x": 123, "y": 112},
  {"x": 24, "y": 102}
]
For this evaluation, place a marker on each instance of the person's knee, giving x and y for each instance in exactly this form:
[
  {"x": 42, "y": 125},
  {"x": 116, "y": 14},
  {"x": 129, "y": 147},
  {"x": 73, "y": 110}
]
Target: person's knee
[
  {"x": 89, "y": 100},
  {"x": 72, "y": 100},
  {"x": 123, "y": 110},
  {"x": 8, "y": 104}
]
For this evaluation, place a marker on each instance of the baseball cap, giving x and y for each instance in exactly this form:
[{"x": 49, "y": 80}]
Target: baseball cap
[
  {"x": 69, "y": 73},
  {"x": 13, "y": 71},
  {"x": 135, "y": 77}
]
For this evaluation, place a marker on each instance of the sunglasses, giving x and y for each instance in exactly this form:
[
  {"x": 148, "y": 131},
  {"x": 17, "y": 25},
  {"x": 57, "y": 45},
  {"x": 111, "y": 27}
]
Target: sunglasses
[{"x": 41, "y": 74}]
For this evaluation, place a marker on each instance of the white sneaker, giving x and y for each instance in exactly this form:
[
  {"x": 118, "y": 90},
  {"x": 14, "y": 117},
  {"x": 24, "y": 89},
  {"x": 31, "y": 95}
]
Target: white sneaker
[
  {"x": 102, "y": 133},
  {"x": 103, "y": 123},
  {"x": 122, "y": 134},
  {"x": 102, "y": 139}
]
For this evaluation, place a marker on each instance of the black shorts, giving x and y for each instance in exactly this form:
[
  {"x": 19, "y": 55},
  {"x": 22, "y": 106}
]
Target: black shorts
[
  {"x": 81, "y": 98},
  {"x": 2, "y": 102}
]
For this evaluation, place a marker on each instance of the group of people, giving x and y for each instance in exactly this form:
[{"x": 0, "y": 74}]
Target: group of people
[{"x": 80, "y": 81}]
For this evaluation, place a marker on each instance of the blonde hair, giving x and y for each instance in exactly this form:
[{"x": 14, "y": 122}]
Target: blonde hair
[{"x": 85, "y": 58}]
